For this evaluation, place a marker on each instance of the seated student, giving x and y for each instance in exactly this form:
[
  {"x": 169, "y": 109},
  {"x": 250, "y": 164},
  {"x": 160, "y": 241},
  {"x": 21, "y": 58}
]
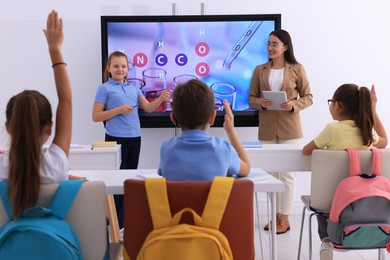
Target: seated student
[
  {"x": 358, "y": 126},
  {"x": 29, "y": 122},
  {"x": 195, "y": 155}
]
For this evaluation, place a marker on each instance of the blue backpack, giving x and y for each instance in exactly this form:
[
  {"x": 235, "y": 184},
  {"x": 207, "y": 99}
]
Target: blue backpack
[{"x": 41, "y": 233}]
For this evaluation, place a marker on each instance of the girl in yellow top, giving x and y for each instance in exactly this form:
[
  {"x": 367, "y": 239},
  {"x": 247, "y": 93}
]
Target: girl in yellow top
[{"x": 358, "y": 126}]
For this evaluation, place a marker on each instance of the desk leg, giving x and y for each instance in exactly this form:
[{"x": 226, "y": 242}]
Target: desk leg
[
  {"x": 114, "y": 226},
  {"x": 273, "y": 229},
  {"x": 259, "y": 225}
]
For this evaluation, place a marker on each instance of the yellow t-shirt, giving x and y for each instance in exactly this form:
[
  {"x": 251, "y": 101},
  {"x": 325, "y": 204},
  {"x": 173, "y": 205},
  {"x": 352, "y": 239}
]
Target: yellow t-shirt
[{"x": 341, "y": 135}]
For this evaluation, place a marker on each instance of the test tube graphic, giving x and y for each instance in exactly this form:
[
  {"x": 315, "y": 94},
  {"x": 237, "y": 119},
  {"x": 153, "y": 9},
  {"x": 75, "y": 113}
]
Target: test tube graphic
[{"x": 240, "y": 44}]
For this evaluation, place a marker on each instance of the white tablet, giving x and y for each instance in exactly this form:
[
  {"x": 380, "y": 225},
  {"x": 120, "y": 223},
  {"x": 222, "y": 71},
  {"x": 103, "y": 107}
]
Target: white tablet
[{"x": 278, "y": 97}]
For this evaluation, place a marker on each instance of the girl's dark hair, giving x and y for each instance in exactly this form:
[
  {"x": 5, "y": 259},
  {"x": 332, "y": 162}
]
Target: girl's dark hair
[
  {"x": 28, "y": 114},
  {"x": 107, "y": 74},
  {"x": 193, "y": 104},
  {"x": 285, "y": 38},
  {"x": 356, "y": 104}
]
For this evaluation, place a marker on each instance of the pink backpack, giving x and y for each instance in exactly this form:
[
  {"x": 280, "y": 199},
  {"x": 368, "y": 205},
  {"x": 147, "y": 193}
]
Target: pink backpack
[{"x": 360, "y": 212}]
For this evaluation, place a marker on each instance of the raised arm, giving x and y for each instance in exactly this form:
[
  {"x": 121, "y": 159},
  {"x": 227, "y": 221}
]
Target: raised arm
[
  {"x": 54, "y": 35},
  {"x": 235, "y": 140}
]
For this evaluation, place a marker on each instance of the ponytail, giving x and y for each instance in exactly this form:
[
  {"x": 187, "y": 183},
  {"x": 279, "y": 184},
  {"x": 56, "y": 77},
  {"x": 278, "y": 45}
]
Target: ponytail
[
  {"x": 365, "y": 117},
  {"x": 357, "y": 105},
  {"x": 28, "y": 113}
]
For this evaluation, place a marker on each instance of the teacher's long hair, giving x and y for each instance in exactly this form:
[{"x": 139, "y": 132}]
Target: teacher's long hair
[{"x": 285, "y": 38}]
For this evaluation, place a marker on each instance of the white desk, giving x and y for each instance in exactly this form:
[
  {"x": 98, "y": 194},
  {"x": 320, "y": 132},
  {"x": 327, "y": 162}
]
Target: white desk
[
  {"x": 114, "y": 180},
  {"x": 279, "y": 158},
  {"x": 82, "y": 157},
  {"x": 270, "y": 158}
]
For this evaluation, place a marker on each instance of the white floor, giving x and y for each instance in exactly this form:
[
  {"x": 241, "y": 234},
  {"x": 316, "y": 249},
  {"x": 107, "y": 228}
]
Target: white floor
[{"x": 288, "y": 243}]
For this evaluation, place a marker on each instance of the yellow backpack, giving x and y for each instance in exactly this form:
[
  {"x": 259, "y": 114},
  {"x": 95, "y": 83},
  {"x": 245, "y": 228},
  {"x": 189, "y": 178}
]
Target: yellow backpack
[{"x": 172, "y": 240}]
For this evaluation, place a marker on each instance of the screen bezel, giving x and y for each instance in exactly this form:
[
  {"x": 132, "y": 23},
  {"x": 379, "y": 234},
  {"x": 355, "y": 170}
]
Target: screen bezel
[{"x": 161, "y": 119}]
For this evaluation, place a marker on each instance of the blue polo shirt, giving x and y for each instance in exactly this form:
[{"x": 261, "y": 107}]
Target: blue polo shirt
[
  {"x": 114, "y": 94},
  {"x": 197, "y": 156}
]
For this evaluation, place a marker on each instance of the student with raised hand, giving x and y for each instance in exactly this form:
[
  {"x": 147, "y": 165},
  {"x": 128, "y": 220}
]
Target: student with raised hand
[
  {"x": 281, "y": 73},
  {"x": 116, "y": 104},
  {"x": 195, "y": 155},
  {"x": 358, "y": 126},
  {"x": 29, "y": 123}
]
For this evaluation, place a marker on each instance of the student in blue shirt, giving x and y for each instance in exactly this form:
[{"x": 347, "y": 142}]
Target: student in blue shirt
[
  {"x": 116, "y": 103},
  {"x": 195, "y": 155}
]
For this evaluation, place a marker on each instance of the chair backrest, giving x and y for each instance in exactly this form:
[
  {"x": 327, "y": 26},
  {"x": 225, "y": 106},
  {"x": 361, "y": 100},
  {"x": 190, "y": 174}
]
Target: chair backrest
[
  {"x": 237, "y": 223},
  {"x": 329, "y": 167},
  {"x": 87, "y": 216}
]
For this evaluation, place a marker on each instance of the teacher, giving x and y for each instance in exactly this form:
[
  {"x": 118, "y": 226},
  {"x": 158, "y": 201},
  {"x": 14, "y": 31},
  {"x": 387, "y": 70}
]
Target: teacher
[{"x": 282, "y": 126}]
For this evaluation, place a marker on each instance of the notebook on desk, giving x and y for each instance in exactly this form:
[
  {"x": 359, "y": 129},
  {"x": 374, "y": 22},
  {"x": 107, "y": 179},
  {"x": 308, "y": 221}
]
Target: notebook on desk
[
  {"x": 255, "y": 176},
  {"x": 252, "y": 144}
]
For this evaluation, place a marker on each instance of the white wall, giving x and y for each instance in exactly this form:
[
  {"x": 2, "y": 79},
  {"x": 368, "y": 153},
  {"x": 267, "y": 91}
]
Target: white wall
[{"x": 337, "y": 41}]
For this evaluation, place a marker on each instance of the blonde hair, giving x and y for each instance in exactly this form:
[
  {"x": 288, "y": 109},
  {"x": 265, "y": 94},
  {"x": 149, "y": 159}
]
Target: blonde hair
[{"x": 107, "y": 74}]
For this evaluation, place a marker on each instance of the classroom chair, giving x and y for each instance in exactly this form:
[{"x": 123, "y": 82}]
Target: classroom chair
[
  {"x": 87, "y": 216},
  {"x": 237, "y": 223},
  {"x": 328, "y": 168}
]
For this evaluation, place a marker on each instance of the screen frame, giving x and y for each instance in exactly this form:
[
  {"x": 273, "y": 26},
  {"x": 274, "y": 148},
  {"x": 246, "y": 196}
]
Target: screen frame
[{"x": 162, "y": 119}]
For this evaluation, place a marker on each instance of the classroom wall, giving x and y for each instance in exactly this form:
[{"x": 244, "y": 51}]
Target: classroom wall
[{"x": 337, "y": 42}]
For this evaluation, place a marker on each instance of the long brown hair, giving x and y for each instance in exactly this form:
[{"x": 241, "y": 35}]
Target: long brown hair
[
  {"x": 285, "y": 38},
  {"x": 107, "y": 74},
  {"x": 28, "y": 114},
  {"x": 356, "y": 104}
]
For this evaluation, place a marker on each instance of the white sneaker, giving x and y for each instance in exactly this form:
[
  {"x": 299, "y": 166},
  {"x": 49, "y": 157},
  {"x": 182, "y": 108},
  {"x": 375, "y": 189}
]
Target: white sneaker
[
  {"x": 326, "y": 252},
  {"x": 122, "y": 232}
]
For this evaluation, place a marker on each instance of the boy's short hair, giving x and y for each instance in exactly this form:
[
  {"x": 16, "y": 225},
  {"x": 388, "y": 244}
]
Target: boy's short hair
[{"x": 192, "y": 104}]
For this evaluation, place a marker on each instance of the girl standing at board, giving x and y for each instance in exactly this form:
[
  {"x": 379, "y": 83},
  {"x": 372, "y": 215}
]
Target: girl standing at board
[{"x": 116, "y": 103}]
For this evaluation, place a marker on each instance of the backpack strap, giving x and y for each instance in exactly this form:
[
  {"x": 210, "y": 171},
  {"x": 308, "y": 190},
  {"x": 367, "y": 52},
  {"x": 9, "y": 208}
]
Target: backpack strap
[
  {"x": 4, "y": 198},
  {"x": 376, "y": 161},
  {"x": 156, "y": 191},
  {"x": 354, "y": 162},
  {"x": 64, "y": 197},
  {"x": 214, "y": 209},
  {"x": 61, "y": 203},
  {"x": 216, "y": 201}
]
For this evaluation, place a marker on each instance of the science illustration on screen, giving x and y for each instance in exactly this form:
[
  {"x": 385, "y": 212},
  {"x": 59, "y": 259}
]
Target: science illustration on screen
[{"x": 164, "y": 51}]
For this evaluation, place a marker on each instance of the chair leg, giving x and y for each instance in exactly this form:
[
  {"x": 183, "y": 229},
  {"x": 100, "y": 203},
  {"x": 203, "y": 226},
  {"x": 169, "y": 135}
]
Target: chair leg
[
  {"x": 382, "y": 254},
  {"x": 310, "y": 237},
  {"x": 301, "y": 233},
  {"x": 259, "y": 225},
  {"x": 114, "y": 226}
]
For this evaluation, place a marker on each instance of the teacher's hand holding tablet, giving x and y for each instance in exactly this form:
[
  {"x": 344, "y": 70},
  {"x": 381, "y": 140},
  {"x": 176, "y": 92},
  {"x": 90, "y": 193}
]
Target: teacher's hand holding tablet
[{"x": 265, "y": 102}]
